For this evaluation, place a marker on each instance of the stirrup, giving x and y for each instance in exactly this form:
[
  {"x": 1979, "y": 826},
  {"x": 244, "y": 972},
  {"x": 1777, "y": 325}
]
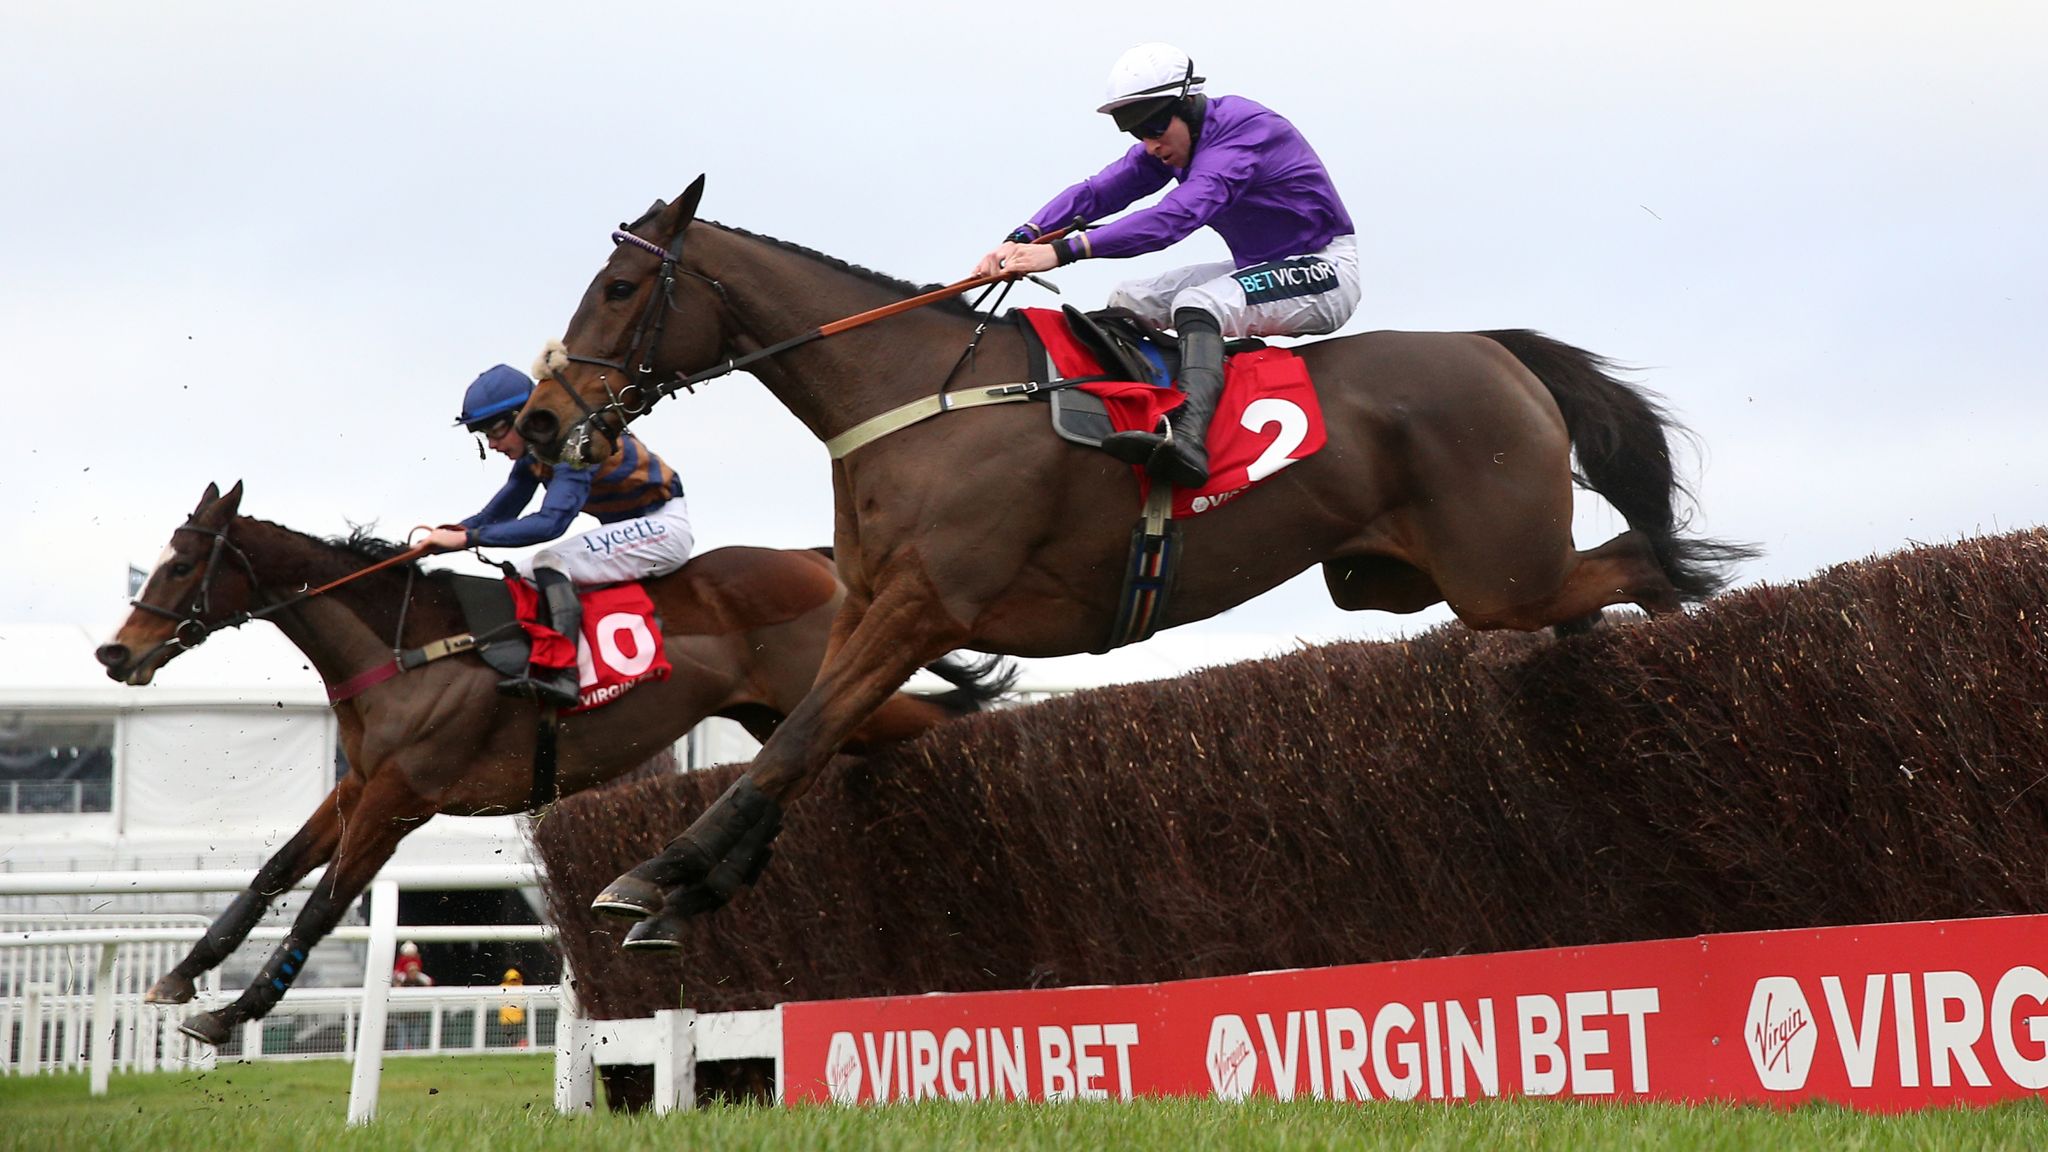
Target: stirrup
[
  {"x": 1170, "y": 466},
  {"x": 555, "y": 690},
  {"x": 1140, "y": 449}
]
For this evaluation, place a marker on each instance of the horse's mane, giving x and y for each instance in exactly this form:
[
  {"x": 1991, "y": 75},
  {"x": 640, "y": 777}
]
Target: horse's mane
[
  {"x": 361, "y": 543},
  {"x": 369, "y": 548},
  {"x": 955, "y": 305}
]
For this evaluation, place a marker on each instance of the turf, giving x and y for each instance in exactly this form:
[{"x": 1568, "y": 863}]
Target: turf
[{"x": 465, "y": 1104}]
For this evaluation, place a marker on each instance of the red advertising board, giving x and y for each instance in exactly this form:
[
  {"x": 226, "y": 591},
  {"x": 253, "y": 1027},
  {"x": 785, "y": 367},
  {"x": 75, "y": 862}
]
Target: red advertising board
[{"x": 1882, "y": 1017}]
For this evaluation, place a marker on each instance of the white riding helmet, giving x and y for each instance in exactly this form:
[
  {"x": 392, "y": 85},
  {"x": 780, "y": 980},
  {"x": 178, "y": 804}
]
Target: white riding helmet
[{"x": 1149, "y": 73}]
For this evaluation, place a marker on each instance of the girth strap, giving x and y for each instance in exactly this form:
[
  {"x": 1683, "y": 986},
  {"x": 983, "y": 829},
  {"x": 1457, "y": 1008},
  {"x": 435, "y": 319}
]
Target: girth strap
[
  {"x": 406, "y": 661},
  {"x": 917, "y": 411},
  {"x": 546, "y": 783},
  {"x": 1148, "y": 578}
]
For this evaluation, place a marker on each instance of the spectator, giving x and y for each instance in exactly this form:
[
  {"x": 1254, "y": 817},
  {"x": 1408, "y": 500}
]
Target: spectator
[
  {"x": 511, "y": 1014},
  {"x": 408, "y": 971}
]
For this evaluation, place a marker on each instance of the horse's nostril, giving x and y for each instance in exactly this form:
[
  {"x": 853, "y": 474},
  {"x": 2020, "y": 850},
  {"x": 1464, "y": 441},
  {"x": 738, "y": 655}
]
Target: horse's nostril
[
  {"x": 112, "y": 655},
  {"x": 539, "y": 427}
]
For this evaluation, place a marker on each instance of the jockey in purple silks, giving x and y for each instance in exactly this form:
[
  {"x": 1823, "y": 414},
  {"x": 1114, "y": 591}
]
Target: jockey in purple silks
[
  {"x": 1244, "y": 171},
  {"x": 643, "y": 523}
]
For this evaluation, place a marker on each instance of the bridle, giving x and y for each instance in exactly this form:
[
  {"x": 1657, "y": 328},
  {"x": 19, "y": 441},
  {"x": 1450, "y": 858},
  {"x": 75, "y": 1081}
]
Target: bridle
[
  {"x": 192, "y": 628},
  {"x": 634, "y": 397}
]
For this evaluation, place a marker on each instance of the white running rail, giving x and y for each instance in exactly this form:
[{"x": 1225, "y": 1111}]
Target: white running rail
[{"x": 107, "y": 1017}]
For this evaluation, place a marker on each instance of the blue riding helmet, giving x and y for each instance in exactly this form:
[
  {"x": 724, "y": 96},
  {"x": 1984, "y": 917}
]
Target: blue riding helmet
[{"x": 501, "y": 389}]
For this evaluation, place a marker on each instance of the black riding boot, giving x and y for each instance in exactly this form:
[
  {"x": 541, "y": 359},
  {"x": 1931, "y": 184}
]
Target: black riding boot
[
  {"x": 556, "y": 686},
  {"x": 1181, "y": 455}
]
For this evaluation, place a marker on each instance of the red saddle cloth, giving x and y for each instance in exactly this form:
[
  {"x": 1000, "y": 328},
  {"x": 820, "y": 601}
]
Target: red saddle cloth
[
  {"x": 1267, "y": 419},
  {"x": 621, "y": 644}
]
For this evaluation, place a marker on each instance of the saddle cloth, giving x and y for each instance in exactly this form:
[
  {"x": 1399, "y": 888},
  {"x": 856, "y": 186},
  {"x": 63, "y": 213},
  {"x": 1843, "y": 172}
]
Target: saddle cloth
[
  {"x": 1267, "y": 419},
  {"x": 620, "y": 647}
]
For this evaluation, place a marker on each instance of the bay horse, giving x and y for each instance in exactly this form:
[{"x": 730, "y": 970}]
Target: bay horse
[
  {"x": 744, "y": 628},
  {"x": 1447, "y": 477}
]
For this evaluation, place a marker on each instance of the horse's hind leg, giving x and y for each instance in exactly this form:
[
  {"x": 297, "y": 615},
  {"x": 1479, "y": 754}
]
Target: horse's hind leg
[
  {"x": 387, "y": 811},
  {"x": 309, "y": 848},
  {"x": 1622, "y": 571}
]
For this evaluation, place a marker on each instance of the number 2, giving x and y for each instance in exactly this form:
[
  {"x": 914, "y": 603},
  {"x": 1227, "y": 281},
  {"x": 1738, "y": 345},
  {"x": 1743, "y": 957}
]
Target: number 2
[{"x": 1293, "y": 424}]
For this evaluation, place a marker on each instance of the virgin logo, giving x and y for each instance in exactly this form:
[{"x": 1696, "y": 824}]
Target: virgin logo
[
  {"x": 1780, "y": 1033},
  {"x": 842, "y": 1069},
  {"x": 1232, "y": 1063}
]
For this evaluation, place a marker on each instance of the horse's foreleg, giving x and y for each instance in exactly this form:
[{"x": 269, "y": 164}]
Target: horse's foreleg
[
  {"x": 309, "y": 848},
  {"x": 893, "y": 638},
  {"x": 387, "y": 811}
]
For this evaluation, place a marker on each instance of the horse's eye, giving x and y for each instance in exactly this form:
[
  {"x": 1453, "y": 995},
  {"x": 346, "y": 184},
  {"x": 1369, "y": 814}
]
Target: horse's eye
[
  {"x": 181, "y": 569},
  {"x": 620, "y": 289}
]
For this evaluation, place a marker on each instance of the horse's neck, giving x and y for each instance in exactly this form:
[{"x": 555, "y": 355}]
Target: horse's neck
[
  {"x": 831, "y": 384},
  {"x": 337, "y": 630}
]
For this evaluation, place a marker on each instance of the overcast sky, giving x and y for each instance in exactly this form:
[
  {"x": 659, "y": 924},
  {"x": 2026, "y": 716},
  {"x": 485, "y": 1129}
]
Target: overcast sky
[{"x": 268, "y": 243}]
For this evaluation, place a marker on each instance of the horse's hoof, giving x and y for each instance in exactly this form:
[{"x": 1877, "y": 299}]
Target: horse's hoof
[
  {"x": 629, "y": 897},
  {"x": 208, "y": 1028},
  {"x": 170, "y": 988},
  {"x": 658, "y": 934},
  {"x": 1581, "y": 625}
]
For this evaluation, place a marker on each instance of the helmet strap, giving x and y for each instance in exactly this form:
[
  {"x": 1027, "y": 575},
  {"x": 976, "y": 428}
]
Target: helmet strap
[{"x": 1193, "y": 111}]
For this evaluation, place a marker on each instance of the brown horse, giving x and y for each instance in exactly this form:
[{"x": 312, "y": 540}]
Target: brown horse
[
  {"x": 1447, "y": 476},
  {"x": 745, "y": 629}
]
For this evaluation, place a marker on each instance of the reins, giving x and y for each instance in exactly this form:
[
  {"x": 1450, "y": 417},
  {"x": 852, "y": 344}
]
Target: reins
[
  {"x": 625, "y": 403},
  {"x": 192, "y": 627}
]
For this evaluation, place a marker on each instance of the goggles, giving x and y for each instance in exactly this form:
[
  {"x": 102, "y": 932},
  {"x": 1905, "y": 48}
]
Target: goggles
[{"x": 1155, "y": 127}]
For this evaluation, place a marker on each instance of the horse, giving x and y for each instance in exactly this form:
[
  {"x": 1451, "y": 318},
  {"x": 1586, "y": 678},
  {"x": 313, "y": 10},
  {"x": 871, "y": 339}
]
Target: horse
[
  {"x": 744, "y": 628},
  {"x": 1447, "y": 477}
]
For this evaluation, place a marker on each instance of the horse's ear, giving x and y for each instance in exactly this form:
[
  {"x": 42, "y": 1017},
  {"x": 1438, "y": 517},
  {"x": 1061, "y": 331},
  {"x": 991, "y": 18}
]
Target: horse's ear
[
  {"x": 691, "y": 195},
  {"x": 211, "y": 494},
  {"x": 222, "y": 508},
  {"x": 684, "y": 211}
]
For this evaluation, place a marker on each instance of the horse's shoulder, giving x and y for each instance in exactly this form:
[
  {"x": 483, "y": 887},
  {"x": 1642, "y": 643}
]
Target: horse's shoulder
[{"x": 739, "y": 587}]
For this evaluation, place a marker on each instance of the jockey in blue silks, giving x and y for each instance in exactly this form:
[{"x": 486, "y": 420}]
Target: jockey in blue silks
[
  {"x": 643, "y": 522},
  {"x": 1242, "y": 170}
]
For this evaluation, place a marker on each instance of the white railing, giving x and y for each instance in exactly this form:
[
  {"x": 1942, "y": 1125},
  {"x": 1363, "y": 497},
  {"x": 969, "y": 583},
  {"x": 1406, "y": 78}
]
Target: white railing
[
  {"x": 673, "y": 1040},
  {"x": 90, "y": 1029},
  {"x": 101, "y": 1034},
  {"x": 47, "y": 991},
  {"x": 47, "y": 797}
]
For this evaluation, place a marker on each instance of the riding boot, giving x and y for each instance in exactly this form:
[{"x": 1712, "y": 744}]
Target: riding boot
[
  {"x": 556, "y": 686},
  {"x": 1180, "y": 455}
]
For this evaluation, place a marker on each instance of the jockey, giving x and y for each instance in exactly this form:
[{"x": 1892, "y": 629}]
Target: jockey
[
  {"x": 1244, "y": 171},
  {"x": 644, "y": 524}
]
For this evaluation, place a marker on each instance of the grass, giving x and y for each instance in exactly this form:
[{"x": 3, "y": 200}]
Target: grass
[{"x": 482, "y": 1104}]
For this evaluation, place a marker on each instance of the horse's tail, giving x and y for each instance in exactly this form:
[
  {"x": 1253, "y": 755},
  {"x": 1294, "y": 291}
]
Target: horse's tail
[
  {"x": 1621, "y": 436},
  {"x": 975, "y": 682}
]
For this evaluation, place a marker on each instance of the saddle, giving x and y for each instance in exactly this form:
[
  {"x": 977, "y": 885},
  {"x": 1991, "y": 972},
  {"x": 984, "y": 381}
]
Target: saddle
[
  {"x": 1126, "y": 348},
  {"x": 487, "y": 612}
]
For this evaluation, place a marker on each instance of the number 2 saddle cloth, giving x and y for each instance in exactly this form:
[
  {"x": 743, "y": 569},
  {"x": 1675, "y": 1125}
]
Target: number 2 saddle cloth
[{"x": 1114, "y": 381}]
